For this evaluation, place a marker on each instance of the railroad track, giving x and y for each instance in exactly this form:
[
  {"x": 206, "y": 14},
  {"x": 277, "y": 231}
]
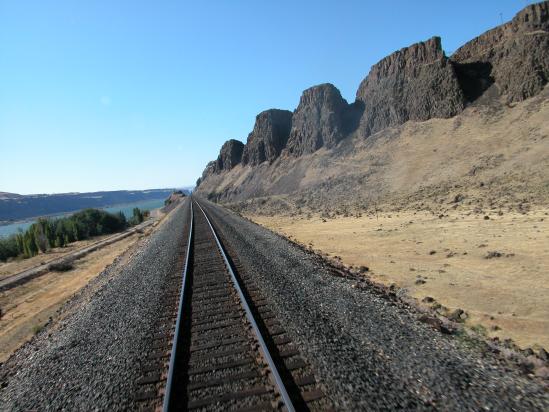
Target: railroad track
[{"x": 225, "y": 349}]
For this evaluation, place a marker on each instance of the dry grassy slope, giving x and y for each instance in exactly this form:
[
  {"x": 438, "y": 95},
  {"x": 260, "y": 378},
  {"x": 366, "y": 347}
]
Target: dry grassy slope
[{"x": 493, "y": 155}]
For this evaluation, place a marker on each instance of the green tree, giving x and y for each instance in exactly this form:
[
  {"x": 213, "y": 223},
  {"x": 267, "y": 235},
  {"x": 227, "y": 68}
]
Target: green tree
[
  {"x": 47, "y": 233},
  {"x": 8, "y": 247},
  {"x": 137, "y": 217},
  {"x": 122, "y": 219},
  {"x": 29, "y": 244},
  {"x": 40, "y": 232},
  {"x": 60, "y": 234}
]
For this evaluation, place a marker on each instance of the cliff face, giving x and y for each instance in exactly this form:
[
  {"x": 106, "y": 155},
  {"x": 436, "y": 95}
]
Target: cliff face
[
  {"x": 514, "y": 55},
  {"x": 414, "y": 83},
  {"x": 269, "y": 137},
  {"x": 229, "y": 156},
  {"x": 318, "y": 120},
  {"x": 208, "y": 171}
]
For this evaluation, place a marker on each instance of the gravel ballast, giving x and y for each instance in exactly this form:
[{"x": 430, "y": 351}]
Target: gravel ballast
[
  {"x": 371, "y": 352},
  {"x": 90, "y": 360},
  {"x": 368, "y": 351}
]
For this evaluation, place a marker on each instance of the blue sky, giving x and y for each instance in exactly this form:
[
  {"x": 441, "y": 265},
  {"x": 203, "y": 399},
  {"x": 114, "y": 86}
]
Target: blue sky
[{"x": 105, "y": 95}]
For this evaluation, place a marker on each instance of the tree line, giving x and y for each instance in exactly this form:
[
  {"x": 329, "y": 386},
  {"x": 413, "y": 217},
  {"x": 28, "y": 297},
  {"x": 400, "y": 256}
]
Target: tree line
[{"x": 45, "y": 233}]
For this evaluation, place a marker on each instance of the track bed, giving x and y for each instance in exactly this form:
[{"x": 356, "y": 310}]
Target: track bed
[{"x": 228, "y": 351}]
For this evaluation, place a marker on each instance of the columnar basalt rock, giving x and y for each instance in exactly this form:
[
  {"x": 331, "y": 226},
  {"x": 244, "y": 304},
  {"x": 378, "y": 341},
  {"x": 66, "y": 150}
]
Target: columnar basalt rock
[
  {"x": 514, "y": 55},
  {"x": 230, "y": 155},
  {"x": 208, "y": 171},
  {"x": 318, "y": 121},
  {"x": 269, "y": 137},
  {"x": 414, "y": 83}
]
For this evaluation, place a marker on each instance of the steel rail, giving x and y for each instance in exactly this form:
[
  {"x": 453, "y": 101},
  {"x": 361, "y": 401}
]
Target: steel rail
[
  {"x": 276, "y": 375},
  {"x": 173, "y": 356}
]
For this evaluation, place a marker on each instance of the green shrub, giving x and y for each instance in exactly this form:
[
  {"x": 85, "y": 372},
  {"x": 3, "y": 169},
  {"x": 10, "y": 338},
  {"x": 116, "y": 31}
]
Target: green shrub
[
  {"x": 137, "y": 217},
  {"x": 47, "y": 233},
  {"x": 63, "y": 266},
  {"x": 9, "y": 247}
]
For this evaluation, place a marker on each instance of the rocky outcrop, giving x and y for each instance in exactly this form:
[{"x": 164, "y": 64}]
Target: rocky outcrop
[
  {"x": 319, "y": 120},
  {"x": 414, "y": 83},
  {"x": 269, "y": 137},
  {"x": 209, "y": 170},
  {"x": 514, "y": 55},
  {"x": 230, "y": 155}
]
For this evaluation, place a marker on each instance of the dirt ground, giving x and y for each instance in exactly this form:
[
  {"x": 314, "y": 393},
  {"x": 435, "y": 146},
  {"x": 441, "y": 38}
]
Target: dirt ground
[
  {"x": 26, "y": 308},
  {"x": 19, "y": 265},
  {"x": 496, "y": 269}
]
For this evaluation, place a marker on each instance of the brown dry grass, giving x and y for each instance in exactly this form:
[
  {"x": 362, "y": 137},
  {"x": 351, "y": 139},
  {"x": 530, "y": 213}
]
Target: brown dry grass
[
  {"x": 19, "y": 265},
  {"x": 509, "y": 292},
  {"x": 26, "y": 308}
]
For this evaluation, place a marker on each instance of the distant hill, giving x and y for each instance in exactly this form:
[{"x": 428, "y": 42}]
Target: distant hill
[
  {"x": 6, "y": 195},
  {"x": 18, "y": 207}
]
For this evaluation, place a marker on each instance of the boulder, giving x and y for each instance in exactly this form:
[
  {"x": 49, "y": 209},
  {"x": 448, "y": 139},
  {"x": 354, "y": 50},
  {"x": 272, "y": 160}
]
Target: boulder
[
  {"x": 268, "y": 138},
  {"x": 414, "y": 83}
]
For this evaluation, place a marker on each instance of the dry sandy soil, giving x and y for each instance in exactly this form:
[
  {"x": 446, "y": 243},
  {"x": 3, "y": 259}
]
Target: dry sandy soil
[
  {"x": 19, "y": 265},
  {"x": 446, "y": 259},
  {"x": 27, "y": 307}
]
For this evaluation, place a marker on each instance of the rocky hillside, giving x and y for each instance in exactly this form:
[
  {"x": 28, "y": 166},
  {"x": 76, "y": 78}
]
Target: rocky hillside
[{"x": 326, "y": 145}]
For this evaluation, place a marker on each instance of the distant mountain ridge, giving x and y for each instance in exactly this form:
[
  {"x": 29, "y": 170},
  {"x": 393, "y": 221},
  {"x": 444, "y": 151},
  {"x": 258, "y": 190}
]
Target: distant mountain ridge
[{"x": 18, "y": 207}]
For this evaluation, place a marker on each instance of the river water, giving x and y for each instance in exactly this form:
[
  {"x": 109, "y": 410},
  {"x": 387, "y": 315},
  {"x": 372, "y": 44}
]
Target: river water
[{"x": 127, "y": 209}]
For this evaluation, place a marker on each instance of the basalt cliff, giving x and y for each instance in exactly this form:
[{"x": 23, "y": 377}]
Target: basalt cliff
[{"x": 489, "y": 92}]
